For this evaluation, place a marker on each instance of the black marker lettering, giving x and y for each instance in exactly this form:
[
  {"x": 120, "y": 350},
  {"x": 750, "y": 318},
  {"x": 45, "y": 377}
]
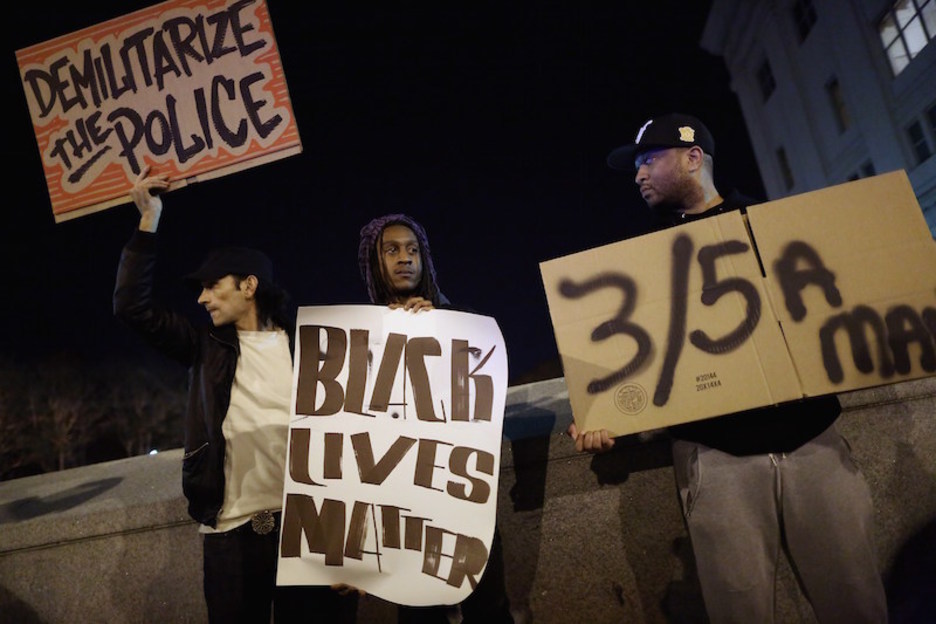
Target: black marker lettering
[
  {"x": 153, "y": 120},
  {"x": 263, "y": 128},
  {"x": 220, "y": 22},
  {"x": 484, "y": 385},
  {"x": 163, "y": 63},
  {"x": 238, "y": 30},
  {"x": 904, "y": 326},
  {"x": 855, "y": 323},
  {"x": 234, "y": 139},
  {"x": 80, "y": 171},
  {"x": 793, "y": 281},
  {"x": 713, "y": 289},
  {"x": 182, "y": 153},
  {"x": 136, "y": 42},
  {"x": 310, "y": 374},
  {"x": 617, "y": 325},
  {"x": 324, "y": 531},
  {"x": 85, "y": 79},
  {"x": 676, "y": 337},
  {"x": 183, "y": 45},
  {"x": 127, "y": 143}
]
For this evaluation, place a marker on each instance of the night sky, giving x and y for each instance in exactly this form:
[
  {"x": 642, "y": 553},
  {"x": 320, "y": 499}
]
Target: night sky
[{"x": 488, "y": 123}]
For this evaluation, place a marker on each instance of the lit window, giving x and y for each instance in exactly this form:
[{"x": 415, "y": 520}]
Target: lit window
[
  {"x": 905, "y": 30},
  {"x": 918, "y": 141},
  {"x": 785, "y": 170},
  {"x": 804, "y": 16},
  {"x": 765, "y": 78},
  {"x": 834, "y": 90}
]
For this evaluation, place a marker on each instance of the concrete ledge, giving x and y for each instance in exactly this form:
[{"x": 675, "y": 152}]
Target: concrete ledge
[
  {"x": 125, "y": 496},
  {"x": 596, "y": 539}
]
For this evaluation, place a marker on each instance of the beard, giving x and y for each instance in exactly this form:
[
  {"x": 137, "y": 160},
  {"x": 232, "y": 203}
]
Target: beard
[{"x": 676, "y": 196}]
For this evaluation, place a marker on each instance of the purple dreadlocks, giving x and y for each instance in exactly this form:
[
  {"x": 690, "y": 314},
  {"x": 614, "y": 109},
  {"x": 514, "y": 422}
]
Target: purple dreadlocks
[{"x": 369, "y": 260}]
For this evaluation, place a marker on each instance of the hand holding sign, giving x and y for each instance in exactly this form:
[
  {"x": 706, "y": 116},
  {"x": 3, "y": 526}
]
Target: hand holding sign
[
  {"x": 591, "y": 441},
  {"x": 145, "y": 194},
  {"x": 414, "y": 304}
]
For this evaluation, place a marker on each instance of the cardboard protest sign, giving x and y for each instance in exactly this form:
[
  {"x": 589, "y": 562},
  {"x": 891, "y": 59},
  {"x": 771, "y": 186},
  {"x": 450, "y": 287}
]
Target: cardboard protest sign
[
  {"x": 852, "y": 274},
  {"x": 194, "y": 88},
  {"x": 684, "y": 324},
  {"x": 666, "y": 328},
  {"x": 394, "y": 452}
]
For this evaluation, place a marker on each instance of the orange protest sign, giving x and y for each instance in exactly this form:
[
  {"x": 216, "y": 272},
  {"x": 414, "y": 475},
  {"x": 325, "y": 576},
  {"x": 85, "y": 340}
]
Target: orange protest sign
[{"x": 195, "y": 89}]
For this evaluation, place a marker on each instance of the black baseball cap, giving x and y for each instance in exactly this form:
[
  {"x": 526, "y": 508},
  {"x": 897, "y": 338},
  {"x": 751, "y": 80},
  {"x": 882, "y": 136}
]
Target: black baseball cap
[
  {"x": 673, "y": 130},
  {"x": 233, "y": 261}
]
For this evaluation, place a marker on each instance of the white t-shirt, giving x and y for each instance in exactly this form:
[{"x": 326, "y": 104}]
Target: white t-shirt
[{"x": 256, "y": 427}]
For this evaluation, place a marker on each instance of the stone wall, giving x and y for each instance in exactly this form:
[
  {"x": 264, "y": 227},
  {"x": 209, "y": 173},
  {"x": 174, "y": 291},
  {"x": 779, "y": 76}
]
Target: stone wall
[{"x": 586, "y": 538}]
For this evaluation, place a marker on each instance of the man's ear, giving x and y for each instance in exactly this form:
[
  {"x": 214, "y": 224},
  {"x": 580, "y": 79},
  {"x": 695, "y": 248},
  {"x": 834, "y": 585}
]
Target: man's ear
[
  {"x": 249, "y": 286},
  {"x": 695, "y": 157}
]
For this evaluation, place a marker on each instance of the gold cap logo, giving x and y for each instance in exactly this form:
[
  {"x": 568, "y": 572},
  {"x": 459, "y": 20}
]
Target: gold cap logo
[{"x": 686, "y": 134}]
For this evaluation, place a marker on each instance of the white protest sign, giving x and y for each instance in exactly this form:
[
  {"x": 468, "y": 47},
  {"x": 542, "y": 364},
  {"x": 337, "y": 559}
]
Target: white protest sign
[{"x": 394, "y": 451}]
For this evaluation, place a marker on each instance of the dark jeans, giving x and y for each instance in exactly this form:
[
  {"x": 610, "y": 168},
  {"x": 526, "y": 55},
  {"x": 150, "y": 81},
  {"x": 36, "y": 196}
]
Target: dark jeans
[
  {"x": 240, "y": 584},
  {"x": 487, "y": 604}
]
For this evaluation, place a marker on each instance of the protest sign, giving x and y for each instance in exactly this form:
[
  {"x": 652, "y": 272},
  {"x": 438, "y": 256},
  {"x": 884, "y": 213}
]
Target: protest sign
[
  {"x": 851, "y": 270},
  {"x": 394, "y": 452},
  {"x": 829, "y": 291},
  {"x": 665, "y": 328},
  {"x": 194, "y": 88}
]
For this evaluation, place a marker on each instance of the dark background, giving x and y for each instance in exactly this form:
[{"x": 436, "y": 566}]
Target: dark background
[{"x": 488, "y": 123}]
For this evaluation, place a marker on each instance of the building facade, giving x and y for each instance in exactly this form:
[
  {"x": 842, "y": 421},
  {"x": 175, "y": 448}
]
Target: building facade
[{"x": 833, "y": 91}]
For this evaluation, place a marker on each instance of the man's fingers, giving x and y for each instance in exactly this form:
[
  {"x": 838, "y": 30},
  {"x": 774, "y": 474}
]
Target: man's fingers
[
  {"x": 591, "y": 441},
  {"x": 344, "y": 589},
  {"x": 414, "y": 304},
  {"x": 606, "y": 441},
  {"x": 143, "y": 173}
]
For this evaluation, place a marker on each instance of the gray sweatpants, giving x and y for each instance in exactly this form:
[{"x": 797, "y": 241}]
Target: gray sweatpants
[{"x": 813, "y": 501}]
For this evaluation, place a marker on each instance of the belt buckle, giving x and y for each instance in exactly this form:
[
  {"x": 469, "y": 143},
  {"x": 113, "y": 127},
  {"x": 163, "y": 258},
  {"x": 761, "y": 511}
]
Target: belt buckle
[{"x": 263, "y": 522}]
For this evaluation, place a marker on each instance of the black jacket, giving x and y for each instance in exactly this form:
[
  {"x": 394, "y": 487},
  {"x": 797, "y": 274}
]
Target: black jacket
[
  {"x": 211, "y": 355},
  {"x": 779, "y": 428}
]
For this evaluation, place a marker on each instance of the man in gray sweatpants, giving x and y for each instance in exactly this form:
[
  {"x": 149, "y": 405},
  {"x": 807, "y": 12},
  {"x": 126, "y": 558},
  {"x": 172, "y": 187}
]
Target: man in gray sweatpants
[{"x": 754, "y": 482}]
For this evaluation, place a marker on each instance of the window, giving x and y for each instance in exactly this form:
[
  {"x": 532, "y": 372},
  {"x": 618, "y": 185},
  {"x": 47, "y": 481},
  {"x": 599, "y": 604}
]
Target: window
[
  {"x": 905, "y": 30},
  {"x": 766, "y": 80},
  {"x": 865, "y": 171},
  {"x": 834, "y": 91},
  {"x": 918, "y": 141},
  {"x": 804, "y": 16},
  {"x": 785, "y": 170},
  {"x": 931, "y": 117}
]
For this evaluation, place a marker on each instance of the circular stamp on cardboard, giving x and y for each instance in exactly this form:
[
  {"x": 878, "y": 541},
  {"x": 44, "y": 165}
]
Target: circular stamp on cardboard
[{"x": 630, "y": 398}]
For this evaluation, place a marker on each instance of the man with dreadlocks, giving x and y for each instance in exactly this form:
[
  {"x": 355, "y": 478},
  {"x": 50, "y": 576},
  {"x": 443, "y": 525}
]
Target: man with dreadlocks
[
  {"x": 396, "y": 264},
  {"x": 397, "y": 269}
]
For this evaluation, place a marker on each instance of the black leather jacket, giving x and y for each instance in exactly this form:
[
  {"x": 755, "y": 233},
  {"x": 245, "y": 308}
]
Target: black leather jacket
[{"x": 211, "y": 355}]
